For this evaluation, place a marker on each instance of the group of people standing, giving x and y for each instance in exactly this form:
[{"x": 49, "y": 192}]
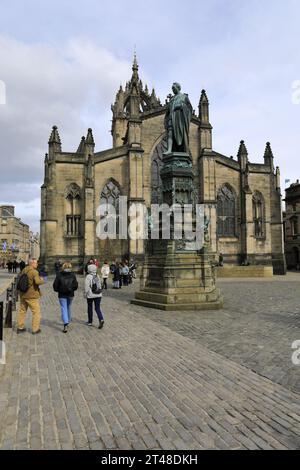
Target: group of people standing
[
  {"x": 13, "y": 266},
  {"x": 121, "y": 272}
]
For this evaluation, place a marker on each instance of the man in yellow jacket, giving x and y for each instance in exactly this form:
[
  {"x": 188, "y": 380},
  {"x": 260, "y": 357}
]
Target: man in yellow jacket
[{"x": 31, "y": 299}]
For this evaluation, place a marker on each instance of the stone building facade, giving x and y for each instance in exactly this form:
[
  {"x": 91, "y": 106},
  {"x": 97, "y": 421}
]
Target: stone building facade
[
  {"x": 292, "y": 225},
  {"x": 14, "y": 236},
  {"x": 242, "y": 199}
]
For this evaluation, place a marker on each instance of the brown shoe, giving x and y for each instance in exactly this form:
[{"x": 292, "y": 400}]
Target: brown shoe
[{"x": 36, "y": 332}]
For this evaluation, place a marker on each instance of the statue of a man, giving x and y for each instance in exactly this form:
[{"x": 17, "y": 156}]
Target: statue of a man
[{"x": 177, "y": 121}]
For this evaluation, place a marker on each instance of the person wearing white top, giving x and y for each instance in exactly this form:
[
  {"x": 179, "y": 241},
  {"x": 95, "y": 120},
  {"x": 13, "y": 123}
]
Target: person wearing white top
[{"x": 105, "y": 270}]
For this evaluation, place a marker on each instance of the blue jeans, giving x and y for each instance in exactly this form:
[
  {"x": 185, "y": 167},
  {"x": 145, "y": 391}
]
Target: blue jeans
[
  {"x": 90, "y": 303},
  {"x": 65, "y": 305}
]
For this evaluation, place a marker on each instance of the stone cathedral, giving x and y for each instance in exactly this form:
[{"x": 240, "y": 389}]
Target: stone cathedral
[{"x": 242, "y": 199}]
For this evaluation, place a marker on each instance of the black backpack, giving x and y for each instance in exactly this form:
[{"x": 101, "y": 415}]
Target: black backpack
[
  {"x": 96, "y": 285},
  {"x": 23, "y": 283}
]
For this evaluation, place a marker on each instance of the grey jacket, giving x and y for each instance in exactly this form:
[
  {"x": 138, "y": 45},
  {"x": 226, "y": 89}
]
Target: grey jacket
[{"x": 92, "y": 271}]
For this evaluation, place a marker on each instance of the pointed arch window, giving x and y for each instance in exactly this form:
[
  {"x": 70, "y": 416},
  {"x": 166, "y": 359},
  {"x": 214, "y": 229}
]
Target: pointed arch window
[
  {"x": 110, "y": 195},
  {"x": 226, "y": 212},
  {"x": 73, "y": 210},
  {"x": 258, "y": 215}
]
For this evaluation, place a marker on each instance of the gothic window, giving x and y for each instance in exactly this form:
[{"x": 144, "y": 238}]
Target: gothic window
[
  {"x": 258, "y": 215},
  {"x": 73, "y": 210},
  {"x": 226, "y": 212},
  {"x": 156, "y": 165},
  {"x": 294, "y": 224},
  {"x": 110, "y": 195}
]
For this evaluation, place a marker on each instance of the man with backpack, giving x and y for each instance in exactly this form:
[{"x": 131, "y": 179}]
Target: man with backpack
[
  {"x": 65, "y": 284},
  {"x": 28, "y": 286},
  {"x": 93, "y": 294}
]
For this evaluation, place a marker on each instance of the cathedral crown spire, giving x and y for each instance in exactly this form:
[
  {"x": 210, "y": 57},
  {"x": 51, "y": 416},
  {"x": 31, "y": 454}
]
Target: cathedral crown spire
[{"x": 135, "y": 69}]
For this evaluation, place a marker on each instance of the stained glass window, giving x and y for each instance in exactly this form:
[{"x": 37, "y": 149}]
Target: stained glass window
[{"x": 226, "y": 212}]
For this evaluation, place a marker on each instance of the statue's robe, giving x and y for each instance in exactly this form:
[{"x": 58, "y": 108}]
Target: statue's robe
[{"x": 179, "y": 116}]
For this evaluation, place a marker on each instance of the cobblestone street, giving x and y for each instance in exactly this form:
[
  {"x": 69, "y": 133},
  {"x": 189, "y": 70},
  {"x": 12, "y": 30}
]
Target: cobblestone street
[
  {"x": 4, "y": 278},
  {"x": 157, "y": 380}
]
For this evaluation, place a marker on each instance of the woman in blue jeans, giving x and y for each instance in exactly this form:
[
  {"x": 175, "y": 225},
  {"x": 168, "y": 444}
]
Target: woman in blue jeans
[
  {"x": 93, "y": 294},
  {"x": 65, "y": 284}
]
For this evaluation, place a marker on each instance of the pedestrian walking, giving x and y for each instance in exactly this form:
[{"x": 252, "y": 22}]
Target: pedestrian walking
[
  {"x": 65, "y": 284},
  {"x": 93, "y": 294},
  {"x": 14, "y": 266},
  {"x": 105, "y": 270},
  {"x": 29, "y": 286}
]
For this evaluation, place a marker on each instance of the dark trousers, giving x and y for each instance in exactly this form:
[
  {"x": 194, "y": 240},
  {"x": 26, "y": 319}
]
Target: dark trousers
[
  {"x": 96, "y": 302},
  {"x": 105, "y": 283}
]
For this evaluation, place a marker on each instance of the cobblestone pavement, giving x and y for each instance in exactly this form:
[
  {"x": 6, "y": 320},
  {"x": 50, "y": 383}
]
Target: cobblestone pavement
[
  {"x": 4, "y": 278},
  {"x": 157, "y": 380},
  {"x": 256, "y": 328}
]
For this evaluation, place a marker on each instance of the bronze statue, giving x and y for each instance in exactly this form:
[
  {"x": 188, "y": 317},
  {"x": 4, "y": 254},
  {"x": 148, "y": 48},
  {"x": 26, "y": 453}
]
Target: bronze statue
[{"x": 177, "y": 121}]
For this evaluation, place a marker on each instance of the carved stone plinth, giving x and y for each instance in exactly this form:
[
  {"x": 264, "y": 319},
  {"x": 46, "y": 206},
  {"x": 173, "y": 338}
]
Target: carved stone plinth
[
  {"x": 177, "y": 280},
  {"x": 176, "y": 276}
]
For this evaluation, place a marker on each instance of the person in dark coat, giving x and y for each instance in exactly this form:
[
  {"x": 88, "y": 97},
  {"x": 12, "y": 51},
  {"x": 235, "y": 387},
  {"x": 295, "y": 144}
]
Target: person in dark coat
[
  {"x": 22, "y": 265},
  {"x": 65, "y": 285},
  {"x": 117, "y": 277},
  {"x": 14, "y": 266}
]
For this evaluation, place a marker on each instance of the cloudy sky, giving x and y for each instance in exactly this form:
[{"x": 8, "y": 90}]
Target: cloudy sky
[{"x": 62, "y": 62}]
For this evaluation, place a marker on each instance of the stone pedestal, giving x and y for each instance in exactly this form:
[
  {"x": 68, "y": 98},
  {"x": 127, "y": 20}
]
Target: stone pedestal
[
  {"x": 175, "y": 277},
  {"x": 178, "y": 280}
]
